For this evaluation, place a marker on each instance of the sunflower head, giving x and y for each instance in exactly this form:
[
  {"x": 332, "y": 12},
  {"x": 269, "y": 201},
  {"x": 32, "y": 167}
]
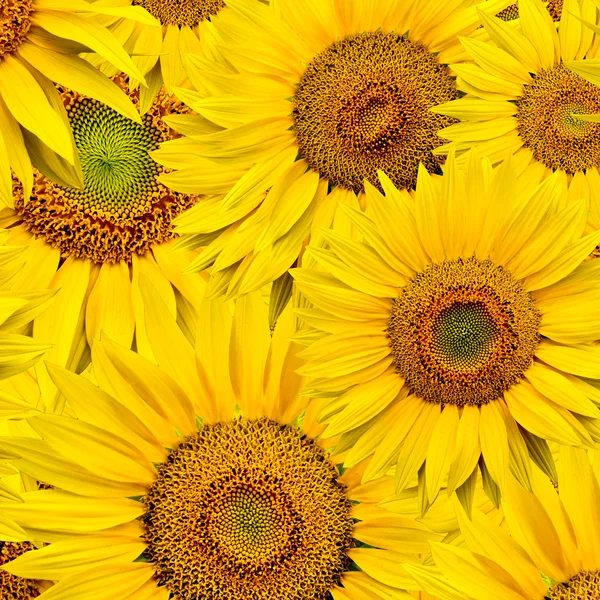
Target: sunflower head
[
  {"x": 548, "y": 124},
  {"x": 463, "y": 332},
  {"x": 121, "y": 208},
  {"x": 268, "y": 511},
  {"x": 443, "y": 335},
  {"x": 15, "y": 22},
  {"x": 363, "y": 103}
]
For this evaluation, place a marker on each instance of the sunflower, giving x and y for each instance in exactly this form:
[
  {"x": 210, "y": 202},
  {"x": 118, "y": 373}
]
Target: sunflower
[
  {"x": 320, "y": 95},
  {"x": 39, "y": 44},
  {"x": 160, "y": 53},
  {"x": 551, "y": 553},
  {"x": 204, "y": 477},
  {"x": 458, "y": 331},
  {"x": 91, "y": 244},
  {"x": 527, "y": 94}
]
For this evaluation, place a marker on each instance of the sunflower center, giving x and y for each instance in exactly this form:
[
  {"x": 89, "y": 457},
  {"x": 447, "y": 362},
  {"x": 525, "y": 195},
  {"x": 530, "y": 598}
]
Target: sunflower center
[
  {"x": 14, "y": 24},
  {"x": 510, "y": 13},
  {"x": 547, "y": 124},
  {"x": 11, "y": 586},
  {"x": 250, "y": 510},
  {"x": 582, "y": 586},
  {"x": 363, "y": 104},
  {"x": 463, "y": 332},
  {"x": 181, "y": 12},
  {"x": 122, "y": 208}
]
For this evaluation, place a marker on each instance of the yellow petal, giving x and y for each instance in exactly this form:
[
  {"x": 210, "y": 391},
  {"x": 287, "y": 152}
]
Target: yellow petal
[
  {"x": 66, "y": 558},
  {"x": 582, "y": 359},
  {"x": 532, "y": 412},
  {"x": 77, "y": 74},
  {"x": 118, "y": 583},
  {"x": 89, "y": 33},
  {"x": 28, "y": 104},
  {"x": 145, "y": 389},
  {"x": 467, "y": 450},
  {"x": 580, "y": 495},
  {"x": 250, "y": 330},
  {"x": 100, "y": 451},
  {"x": 364, "y": 402},
  {"x": 109, "y": 308},
  {"x": 96, "y": 407},
  {"x": 441, "y": 450},
  {"x": 413, "y": 451},
  {"x": 46, "y": 511},
  {"x": 172, "y": 350},
  {"x": 494, "y": 441},
  {"x": 465, "y": 571},
  {"x": 538, "y": 27}
]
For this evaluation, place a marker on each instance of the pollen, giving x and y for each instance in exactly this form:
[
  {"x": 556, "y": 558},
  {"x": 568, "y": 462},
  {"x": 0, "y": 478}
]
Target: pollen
[
  {"x": 582, "y": 586},
  {"x": 15, "y": 21},
  {"x": 463, "y": 332},
  {"x": 181, "y": 12},
  {"x": 548, "y": 125},
  {"x": 364, "y": 103},
  {"x": 251, "y": 510},
  {"x": 11, "y": 586},
  {"x": 122, "y": 209}
]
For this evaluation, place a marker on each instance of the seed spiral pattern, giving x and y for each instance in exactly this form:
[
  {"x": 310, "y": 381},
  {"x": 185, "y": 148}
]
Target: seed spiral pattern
[
  {"x": 122, "y": 208},
  {"x": 11, "y": 586},
  {"x": 463, "y": 332},
  {"x": 181, "y": 12},
  {"x": 250, "y": 510},
  {"x": 584, "y": 585},
  {"x": 15, "y": 22},
  {"x": 363, "y": 104},
  {"x": 545, "y": 121}
]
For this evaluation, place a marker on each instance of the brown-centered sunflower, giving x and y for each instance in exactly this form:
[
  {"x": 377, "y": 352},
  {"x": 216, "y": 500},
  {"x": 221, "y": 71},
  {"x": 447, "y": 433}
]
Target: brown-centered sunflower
[
  {"x": 459, "y": 333},
  {"x": 533, "y": 91},
  {"x": 319, "y": 95},
  {"x": 205, "y": 477}
]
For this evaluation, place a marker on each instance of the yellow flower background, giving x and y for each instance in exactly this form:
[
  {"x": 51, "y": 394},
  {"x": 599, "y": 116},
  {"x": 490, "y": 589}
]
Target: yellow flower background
[{"x": 299, "y": 299}]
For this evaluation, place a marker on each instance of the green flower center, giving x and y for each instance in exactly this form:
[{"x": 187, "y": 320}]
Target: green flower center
[
  {"x": 118, "y": 173},
  {"x": 463, "y": 332},
  {"x": 122, "y": 209},
  {"x": 584, "y": 585},
  {"x": 15, "y": 22},
  {"x": 250, "y": 510},
  {"x": 463, "y": 335}
]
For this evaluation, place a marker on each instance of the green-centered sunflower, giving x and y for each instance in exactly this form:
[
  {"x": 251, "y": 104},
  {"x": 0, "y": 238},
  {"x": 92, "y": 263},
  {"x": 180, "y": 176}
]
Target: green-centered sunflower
[
  {"x": 39, "y": 44},
  {"x": 204, "y": 477},
  {"x": 321, "y": 95},
  {"x": 552, "y": 553},
  {"x": 187, "y": 27},
  {"x": 528, "y": 94},
  {"x": 459, "y": 331},
  {"x": 92, "y": 243}
]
